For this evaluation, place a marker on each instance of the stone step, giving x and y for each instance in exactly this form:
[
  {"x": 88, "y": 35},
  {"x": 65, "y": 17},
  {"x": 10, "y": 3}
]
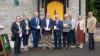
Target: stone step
[{"x": 41, "y": 43}]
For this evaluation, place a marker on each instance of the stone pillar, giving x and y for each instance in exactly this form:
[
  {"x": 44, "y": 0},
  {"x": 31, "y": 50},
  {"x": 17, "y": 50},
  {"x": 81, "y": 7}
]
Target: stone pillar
[
  {"x": 83, "y": 8},
  {"x": 67, "y": 8},
  {"x": 42, "y": 11},
  {"x": 35, "y": 5},
  {"x": 74, "y": 8}
]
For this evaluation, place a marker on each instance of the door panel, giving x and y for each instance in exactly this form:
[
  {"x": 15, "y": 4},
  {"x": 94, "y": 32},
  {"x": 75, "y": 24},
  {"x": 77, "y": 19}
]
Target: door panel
[{"x": 55, "y": 8}]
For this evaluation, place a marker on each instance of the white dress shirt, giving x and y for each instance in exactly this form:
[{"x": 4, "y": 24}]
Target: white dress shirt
[
  {"x": 73, "y": 23},
  {"x": 27, "y": 27},
  {"x": 20, "y": 29},
  {"x": 47, "y": 23}
]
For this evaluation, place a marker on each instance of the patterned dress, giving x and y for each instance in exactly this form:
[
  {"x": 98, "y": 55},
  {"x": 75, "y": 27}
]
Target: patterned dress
[{"x": 80, "y": 35}]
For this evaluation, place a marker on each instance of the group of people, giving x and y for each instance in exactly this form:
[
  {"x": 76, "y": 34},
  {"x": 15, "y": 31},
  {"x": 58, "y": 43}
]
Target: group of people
[{"x": 68, "y": 30}]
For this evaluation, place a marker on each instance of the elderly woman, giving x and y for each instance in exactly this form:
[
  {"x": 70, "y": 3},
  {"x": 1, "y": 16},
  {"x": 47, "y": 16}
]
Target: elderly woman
[
  {"x": 80, "y": 30},
  {"x": 26, "y": 30},
  {"x": 16, "y": 29},
  {"x": 66, "y": 31}
]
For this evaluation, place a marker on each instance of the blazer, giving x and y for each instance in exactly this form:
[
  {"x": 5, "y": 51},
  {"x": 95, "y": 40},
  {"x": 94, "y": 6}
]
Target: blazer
[
  {"x": 24, "y": 27},
  {"x": 34, "y": 25},
  {"x": 44, "y": 24},
  {"x": 91, "y": 24},
  {"x": 15, "y": 29},
  {"x": 81, "y": 25},
  {"x": 59, "y": 25}
]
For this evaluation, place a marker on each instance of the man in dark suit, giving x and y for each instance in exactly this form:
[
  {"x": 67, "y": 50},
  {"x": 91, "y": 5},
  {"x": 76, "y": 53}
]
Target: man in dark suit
[
  {"x": 35, "y": 24},
  {"x": 26, "y": 30},
  {"x": 47, "y": 31},
  {"x": 58, "y": 26},
  {"x": 16, "y": 29}
]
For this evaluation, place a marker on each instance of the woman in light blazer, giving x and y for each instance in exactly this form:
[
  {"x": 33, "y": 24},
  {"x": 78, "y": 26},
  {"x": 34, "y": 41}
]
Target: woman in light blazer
[{"x": 80, "y": 30}]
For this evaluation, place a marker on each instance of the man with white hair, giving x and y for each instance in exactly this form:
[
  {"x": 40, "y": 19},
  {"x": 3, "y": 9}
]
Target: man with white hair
[
  {"x": 66, "y": 31},
  {"x": 72, "y": 32}
]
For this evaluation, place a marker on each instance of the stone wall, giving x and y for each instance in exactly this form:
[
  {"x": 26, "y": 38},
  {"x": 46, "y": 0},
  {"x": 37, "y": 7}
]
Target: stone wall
[
  {"x": 8, "y": 11},
  {"x": 74, "y": 8}
]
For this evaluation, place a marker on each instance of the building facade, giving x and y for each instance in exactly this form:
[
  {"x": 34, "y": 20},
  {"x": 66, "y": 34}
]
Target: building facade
[{"x": 9, "y": 10}]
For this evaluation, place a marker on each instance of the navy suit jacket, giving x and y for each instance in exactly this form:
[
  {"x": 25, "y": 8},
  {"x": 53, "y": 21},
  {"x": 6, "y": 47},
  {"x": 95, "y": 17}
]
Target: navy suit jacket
[
  {"x": 59, "y": 25},
  {"x": 34, "y": 25},
  {"x": 15, "y": 29},
  {"x": 44, "y": 24}
]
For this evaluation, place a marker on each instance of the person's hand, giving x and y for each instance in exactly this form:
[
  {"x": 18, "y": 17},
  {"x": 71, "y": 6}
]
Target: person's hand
[
  {"x": 55, "y": 28},
  {"x": 19, "y": 32},
  {"x": 67, "y": 26},
  {"x": 49, "y": 29},
  {"x": 27, "y": 28},
  {"x": 46, "y": 28},
  {"x": 38, "y": 27}
]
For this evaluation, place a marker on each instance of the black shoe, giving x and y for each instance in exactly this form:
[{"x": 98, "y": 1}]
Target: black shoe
[
  {"x": 20, "y": 52},
  {"x": 90, "y": 50},
  {"x": 55, "y": 48},
  {"x": 59, "y": 48},
  {"x": 15, "y": 54},
  {"x": 65, "y": 48}
]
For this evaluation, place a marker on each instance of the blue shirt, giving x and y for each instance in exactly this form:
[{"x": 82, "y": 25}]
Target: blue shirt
[{"x": 73, "y": 23}]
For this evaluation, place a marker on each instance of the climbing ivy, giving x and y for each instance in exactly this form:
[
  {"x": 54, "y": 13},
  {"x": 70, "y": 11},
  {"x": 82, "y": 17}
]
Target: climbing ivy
[{"x": 93, "y": 5}]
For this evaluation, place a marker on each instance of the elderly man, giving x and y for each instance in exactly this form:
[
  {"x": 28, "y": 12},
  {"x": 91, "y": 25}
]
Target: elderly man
[
  {"x": 35, "y": 25},
  {"x": 91, "y": 26},
  {"x": 72, "y": 32},
  {"x": 47, "y": 31}
]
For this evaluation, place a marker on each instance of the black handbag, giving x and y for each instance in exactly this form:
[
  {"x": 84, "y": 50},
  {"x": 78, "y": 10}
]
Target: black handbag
[
  {"x": 87, "y": 31},
  {"x": 12, "y": 38}
]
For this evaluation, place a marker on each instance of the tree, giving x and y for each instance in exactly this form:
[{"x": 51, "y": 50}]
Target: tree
[
  {"x": 94, "y": 6},
  {"x": 97, "y": 3}
]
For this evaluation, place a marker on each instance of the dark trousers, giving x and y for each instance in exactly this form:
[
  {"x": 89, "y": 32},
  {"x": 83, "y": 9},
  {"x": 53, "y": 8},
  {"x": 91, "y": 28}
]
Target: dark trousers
[
  {"x": 72, "y": 37},
  {"x": 91, "y": 44},
  {"x": 0, "y": 47},
  {"x": 66, "y": 39},
  {"x": 36, "y": 38},
  {"x": 25, "y": 40},
  {"x": 17, "y": 45},
  {"x": 57, "y": 39}
]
